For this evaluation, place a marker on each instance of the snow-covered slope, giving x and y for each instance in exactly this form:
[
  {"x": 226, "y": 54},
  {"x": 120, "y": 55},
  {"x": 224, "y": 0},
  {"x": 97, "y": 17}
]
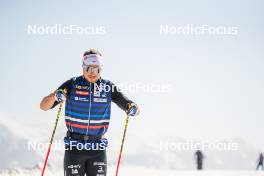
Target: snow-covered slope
[
  {"x": 138, "y": 171},
  {"x": 140, "y": 151},
  {"x": 14, "y": 150}
]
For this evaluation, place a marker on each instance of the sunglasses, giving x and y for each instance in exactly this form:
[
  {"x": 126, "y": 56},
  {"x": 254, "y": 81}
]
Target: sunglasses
[{"x": 91, "y": 69}]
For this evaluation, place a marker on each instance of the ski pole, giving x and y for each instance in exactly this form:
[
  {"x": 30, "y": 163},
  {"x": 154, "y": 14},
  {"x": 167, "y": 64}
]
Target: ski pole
[
  {"x": 51, "y": 139},
  {"x": 122, "y": 145}
]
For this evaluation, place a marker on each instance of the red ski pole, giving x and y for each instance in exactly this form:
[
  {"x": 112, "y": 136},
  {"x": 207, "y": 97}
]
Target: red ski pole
[
  {"x": 51, "y": 140},
  {"x": 122, "y": 145}
]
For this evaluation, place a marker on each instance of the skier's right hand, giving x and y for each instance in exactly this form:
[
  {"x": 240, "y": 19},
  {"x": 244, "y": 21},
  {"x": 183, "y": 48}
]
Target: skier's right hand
[{"x": 60, "y": 95}]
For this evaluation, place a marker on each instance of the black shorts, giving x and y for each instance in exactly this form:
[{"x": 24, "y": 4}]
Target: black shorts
[{"x": 81, "y": 162}]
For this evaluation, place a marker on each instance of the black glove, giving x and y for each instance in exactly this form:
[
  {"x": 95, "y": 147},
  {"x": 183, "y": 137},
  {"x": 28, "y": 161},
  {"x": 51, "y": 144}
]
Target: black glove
[
  {"x": 133, "y": 109},
  {"x": 60, "y": 95}
]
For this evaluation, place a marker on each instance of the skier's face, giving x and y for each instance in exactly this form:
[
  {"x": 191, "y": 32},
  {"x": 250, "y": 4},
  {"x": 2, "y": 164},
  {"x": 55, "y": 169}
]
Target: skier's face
[{"x": 91, "y": 73}]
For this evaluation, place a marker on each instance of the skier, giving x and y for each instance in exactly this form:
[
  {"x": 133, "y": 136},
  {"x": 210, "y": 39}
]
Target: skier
[
  {"x": 260, "y": 161},
  {"x": 199, "y": 159},
  {"x": 87, "y": 114}
]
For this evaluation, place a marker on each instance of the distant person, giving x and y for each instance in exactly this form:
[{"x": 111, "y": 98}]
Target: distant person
[
  {"x": 260, "y": 161},
  {"x": 199, "y": 159}
]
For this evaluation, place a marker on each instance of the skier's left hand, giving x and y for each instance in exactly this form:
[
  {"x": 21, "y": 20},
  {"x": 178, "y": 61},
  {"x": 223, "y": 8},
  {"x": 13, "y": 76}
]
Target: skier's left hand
[{"x": 133, "y": 109}]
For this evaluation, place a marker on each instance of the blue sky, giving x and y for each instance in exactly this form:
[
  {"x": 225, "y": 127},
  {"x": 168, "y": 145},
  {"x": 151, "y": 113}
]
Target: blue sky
[{"x": 217, "y": 80}]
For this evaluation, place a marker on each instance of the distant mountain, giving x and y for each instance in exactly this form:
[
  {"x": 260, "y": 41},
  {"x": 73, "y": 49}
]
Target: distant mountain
[
  {"x": 14, "y": 151},
  {"x": 156, "y": 151},
  {"x": 162, "y": 152}
]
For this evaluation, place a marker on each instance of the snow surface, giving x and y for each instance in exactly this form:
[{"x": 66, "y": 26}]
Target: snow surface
[
  {"x": 139, "y": 171},
  {"x": 142, "y": 154}
]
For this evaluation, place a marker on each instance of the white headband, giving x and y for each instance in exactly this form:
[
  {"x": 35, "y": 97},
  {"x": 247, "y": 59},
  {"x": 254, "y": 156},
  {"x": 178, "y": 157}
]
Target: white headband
[{"x": 92, "y": 59}]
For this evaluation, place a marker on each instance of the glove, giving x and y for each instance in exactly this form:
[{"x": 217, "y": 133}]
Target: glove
[
  {"x": 133, "y": 109},
  {"x": 60, "y": 95}
]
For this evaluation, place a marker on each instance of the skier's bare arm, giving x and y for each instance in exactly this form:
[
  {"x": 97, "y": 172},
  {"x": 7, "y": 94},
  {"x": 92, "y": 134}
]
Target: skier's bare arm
[{"x": 47, "y": 102}]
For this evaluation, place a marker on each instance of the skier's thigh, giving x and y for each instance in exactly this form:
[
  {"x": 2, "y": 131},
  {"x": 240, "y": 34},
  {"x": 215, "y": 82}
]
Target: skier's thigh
[
  {"x": 74, "y": 165},
  {"x": 97, "y": 166}
]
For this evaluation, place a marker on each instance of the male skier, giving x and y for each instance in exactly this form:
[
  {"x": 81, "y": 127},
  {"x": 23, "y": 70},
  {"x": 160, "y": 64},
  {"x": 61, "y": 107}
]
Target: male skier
[{"x": 87, "y": 114}]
